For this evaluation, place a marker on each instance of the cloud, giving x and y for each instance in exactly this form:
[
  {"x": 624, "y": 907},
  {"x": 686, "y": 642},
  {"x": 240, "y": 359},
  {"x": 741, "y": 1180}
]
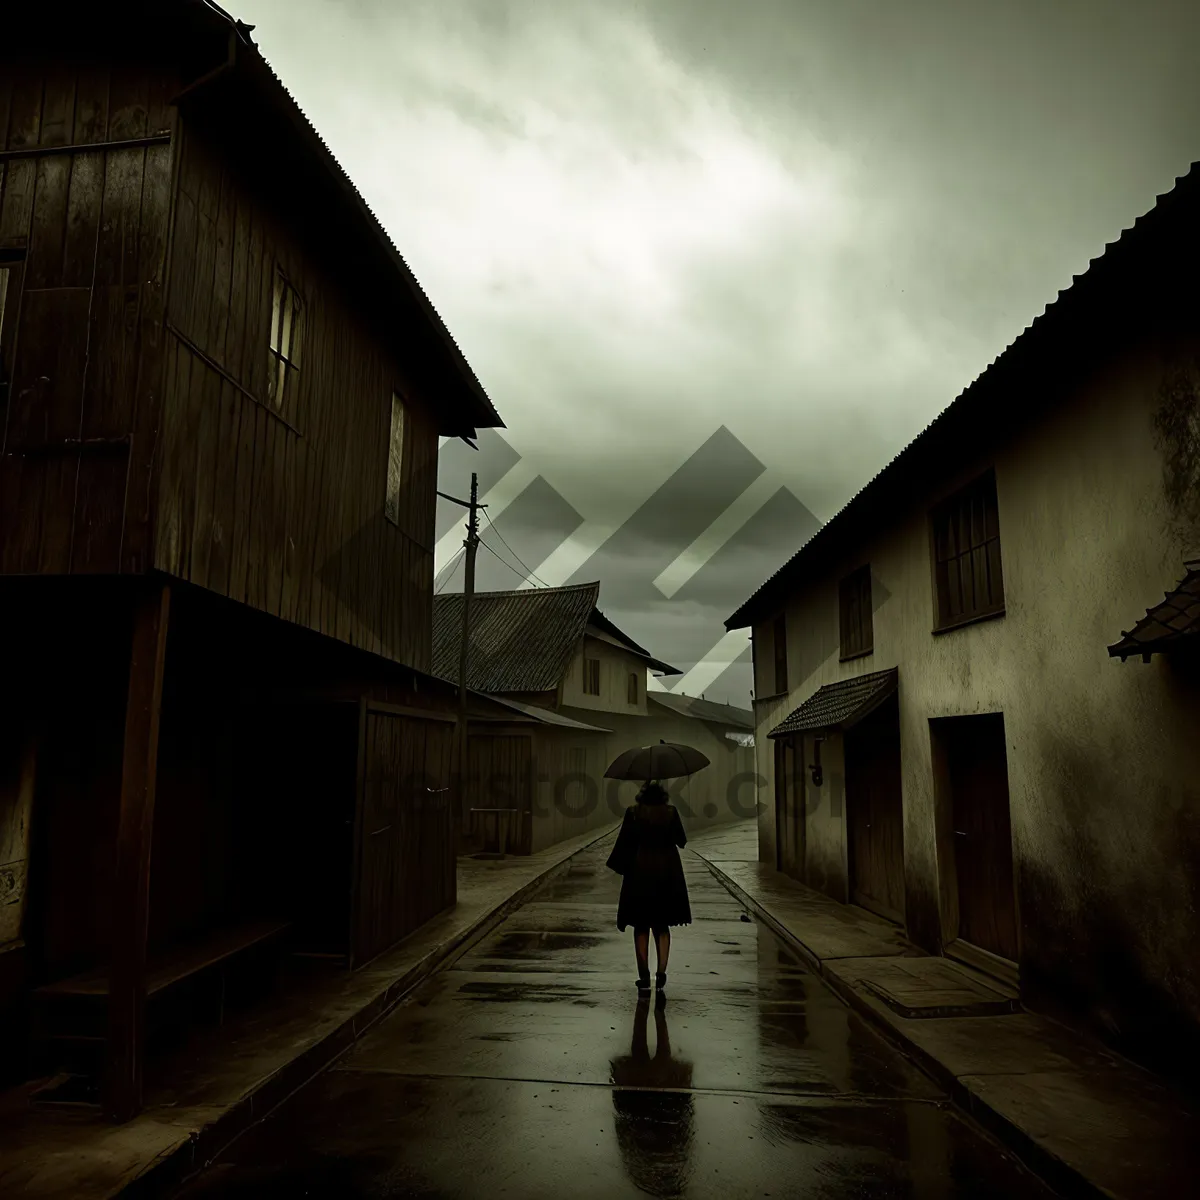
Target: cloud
[{"x": 813, "y": 224}]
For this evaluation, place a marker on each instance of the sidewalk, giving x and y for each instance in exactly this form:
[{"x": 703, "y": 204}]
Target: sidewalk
[
  {"x": 1091, "y": 1123},
  {"x": 224, "y": 1081}
]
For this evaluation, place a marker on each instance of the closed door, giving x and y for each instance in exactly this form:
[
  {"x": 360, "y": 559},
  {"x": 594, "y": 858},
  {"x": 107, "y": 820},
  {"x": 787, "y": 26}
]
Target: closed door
[
  {"x": 875, "y": 813},
  {"x": 978, "y": 772},
  {"x": 405, "y": 827},
  {"x": 500, "y": 775}
]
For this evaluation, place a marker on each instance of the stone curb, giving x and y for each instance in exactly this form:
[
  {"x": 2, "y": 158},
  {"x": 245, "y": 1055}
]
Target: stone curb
[
  {"x": 176, "y": 1166},
  {"x": 1059, "y": 1174}
]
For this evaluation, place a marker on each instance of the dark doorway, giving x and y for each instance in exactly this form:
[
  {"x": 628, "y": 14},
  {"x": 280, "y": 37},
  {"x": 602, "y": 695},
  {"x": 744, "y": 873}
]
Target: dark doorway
[
  {"x": 976, "y": 771},
  {"x": 789, "y": 815},
  {"x": 875, "y": 812}
]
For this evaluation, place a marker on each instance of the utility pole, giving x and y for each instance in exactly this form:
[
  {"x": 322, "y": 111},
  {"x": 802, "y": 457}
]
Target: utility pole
[{"x": 471, "y": 544}]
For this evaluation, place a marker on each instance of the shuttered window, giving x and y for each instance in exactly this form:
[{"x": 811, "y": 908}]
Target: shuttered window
[
  {"x": 780, "y": 642},
  {"x": 966, "y": 542},
  {"x": 632, "y": 689},
  {"x": 591, "y": 676},
  {"x": 395, "y": 476},
  {"x": 854, "y": 600}
]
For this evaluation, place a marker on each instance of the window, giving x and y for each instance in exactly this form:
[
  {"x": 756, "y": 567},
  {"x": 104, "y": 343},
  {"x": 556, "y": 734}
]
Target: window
[
  {"x": 780, "y": 643},
  {"x": 854, "y": 602},
  {"x": 10, "y": 291},
  {"x": 287, "y": 328},
  {"x": 632, "y": 690},
  {"x": 395, "y": 476},
  {"x": 966, "y": 547},
  {"x": 591, "y": 676}
]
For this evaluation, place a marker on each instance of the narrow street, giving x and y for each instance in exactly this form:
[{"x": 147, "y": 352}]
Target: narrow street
[{"x": 529, "y": 1069}]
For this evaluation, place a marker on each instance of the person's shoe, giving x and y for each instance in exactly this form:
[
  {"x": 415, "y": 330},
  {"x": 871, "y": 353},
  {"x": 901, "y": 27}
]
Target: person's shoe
[
  {"x": 660, "y": 981},
  {"x": 643, "y": 987}
]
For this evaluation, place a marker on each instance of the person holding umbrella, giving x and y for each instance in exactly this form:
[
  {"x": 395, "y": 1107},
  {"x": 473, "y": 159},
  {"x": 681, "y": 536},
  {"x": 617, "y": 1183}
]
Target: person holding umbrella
[{"x": 654, "y": 893}]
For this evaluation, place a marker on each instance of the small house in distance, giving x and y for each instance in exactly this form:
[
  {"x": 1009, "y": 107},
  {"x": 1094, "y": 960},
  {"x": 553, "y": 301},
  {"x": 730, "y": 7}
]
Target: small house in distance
[{"x": 577, "y": 686}]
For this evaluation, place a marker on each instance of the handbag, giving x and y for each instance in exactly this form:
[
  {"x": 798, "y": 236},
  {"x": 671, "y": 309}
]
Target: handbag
[{"x": 621, "y": 858}]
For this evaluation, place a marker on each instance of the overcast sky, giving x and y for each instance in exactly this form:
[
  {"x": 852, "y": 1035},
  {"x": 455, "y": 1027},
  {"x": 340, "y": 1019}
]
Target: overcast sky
[{"x": 813, "y": 224}]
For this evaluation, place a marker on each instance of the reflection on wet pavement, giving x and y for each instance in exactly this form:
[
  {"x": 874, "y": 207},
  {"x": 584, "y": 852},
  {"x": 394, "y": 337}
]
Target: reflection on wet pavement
[{"x": 530, "y": 1069}]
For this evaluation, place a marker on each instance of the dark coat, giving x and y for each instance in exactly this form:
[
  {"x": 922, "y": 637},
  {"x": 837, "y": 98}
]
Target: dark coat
[{"x": 654, "y": 892}]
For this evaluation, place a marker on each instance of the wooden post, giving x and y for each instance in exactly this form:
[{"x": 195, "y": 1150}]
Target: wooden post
[
  {"x": 131, "y": 892},
  {"x": 471, "y": 544}
]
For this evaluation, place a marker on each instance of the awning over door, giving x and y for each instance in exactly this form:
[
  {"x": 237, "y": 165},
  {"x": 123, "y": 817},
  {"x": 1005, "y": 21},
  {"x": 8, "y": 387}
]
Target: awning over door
[
  {"x": 839, "y": 705},
  {"x": 1170, "y": 623}
]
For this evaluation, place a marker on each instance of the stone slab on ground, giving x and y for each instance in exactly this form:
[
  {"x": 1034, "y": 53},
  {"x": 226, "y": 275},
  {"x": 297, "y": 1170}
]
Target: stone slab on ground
[
  {"x": 224, "y": 1080},
  {"x": 1091, "y": 1122}
]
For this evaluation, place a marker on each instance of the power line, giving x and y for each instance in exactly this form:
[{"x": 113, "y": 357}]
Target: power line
[
  {"x": 449, "y": 569},
  {"x": 528, "y": 572},
  {"x": 499, "y": 559}
]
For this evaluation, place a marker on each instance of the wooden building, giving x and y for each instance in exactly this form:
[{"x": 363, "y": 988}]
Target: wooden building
[
  {"x": 221, "y": 393},
  {"x": 948, "y": 738},
  {"x": 579, "y": 690}
]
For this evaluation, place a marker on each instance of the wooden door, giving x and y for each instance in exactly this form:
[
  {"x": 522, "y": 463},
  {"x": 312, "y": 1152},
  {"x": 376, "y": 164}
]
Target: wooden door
[
  {"x": 500, "y": 775},
  {"x": 875, "y": 813},
  {"x": 405, "y": 844},
  {"x": 789, "y": 815},
  {"x": 978, "y": 773}
]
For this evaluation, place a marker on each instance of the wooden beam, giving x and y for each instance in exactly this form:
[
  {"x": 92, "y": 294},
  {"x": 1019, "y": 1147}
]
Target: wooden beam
[{"x": 131, "y": 892}]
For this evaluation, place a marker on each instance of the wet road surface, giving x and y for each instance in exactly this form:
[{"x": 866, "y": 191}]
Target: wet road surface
[{"x": 529, "y": 1069}]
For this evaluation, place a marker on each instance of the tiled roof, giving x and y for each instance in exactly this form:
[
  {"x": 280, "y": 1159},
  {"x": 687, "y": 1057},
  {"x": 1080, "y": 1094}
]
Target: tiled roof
[
  {"x": 1175, "y": 618},
  {"x": 839, "y": 705},
  {"x": 980, "y": 413},
  {"x": 704, "y": 710},
  {"x": 521, "y": 641}
]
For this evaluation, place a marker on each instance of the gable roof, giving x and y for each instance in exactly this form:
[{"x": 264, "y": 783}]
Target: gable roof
[
  {"x": 521, "y": 640},
  {"x": 251, "y": 102},
  {"x": 1138, "y": 279},
  {"x": 704, "y": 710},
  {"x": 1175, "y": 619}
]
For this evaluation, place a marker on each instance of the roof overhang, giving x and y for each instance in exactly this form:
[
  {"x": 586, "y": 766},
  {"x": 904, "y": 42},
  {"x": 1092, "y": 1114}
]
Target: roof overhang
[
  {"x": 600, "y": 621},
  {"x": 544, "y": 716},
  {"x": 1172, "y": 624},
  {"x": 841, "y": 705}
]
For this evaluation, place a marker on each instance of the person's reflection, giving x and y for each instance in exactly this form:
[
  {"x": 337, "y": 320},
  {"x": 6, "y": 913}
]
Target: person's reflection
[{"x": 654, "y": 1127}]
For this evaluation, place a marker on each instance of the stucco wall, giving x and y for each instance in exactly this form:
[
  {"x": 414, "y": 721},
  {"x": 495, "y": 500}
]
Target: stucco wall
[
  {"x": 616, "y": 665},
  {"x": 1098, "y": 507},
  {"x": 722, "y": 791}
]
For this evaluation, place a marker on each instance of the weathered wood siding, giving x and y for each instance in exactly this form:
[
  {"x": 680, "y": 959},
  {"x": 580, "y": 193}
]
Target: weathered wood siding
[
  {"x": 405, "y": 827},
  {"x": 284, "y": 510},
  {"x": 79, "y": 431}
]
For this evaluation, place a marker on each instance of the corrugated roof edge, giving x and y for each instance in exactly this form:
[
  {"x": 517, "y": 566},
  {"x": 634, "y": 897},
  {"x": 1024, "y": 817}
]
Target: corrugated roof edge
[
  {"x": 339, "y": 173},
  {"x": 749, "y": 610}
]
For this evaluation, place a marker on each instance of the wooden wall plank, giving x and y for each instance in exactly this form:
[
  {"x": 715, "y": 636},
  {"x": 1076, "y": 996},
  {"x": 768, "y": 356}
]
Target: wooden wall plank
[
  {"x": 129, "y": 98},
  {"x": 58, "y": 106},
  {"x": 85, "y": 195},
  {"x": 91, "y": 103},
  {"x": 48, "y": 227}
]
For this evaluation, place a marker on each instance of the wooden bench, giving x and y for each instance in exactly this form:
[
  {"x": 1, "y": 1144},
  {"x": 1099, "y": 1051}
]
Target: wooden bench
[{"x": 74, "y": 1010}]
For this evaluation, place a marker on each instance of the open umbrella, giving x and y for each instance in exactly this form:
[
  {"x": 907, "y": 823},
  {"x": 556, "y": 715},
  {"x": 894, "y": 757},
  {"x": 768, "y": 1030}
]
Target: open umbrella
[{"x": 667, "y": 760}]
